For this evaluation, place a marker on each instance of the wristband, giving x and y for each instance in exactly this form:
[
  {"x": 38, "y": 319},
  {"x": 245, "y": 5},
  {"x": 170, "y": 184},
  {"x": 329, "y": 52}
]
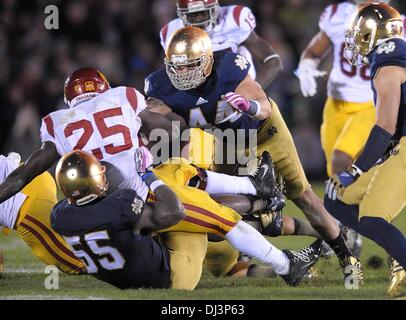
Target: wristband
[{"x": 255, "y": 108}]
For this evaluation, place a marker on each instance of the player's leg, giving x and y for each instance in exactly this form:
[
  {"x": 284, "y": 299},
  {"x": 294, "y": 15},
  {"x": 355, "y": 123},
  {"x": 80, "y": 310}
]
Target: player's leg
[
  {"x": 383, "y": 201},
  {"x": 203, "y": 214},
  {"x": 187, "y": 252},
  {"x": 33, "y": 226},
  {"x": 222, "y": 260},
  {"x": 333, "y": 121},
  {"x": 280, "y": 144},
  {"x": 359, "y": 118}
]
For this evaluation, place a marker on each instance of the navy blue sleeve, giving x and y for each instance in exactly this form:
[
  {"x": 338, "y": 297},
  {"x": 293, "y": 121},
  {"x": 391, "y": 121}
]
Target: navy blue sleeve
[
  {"x": 389, "y": 53},
  {"x": 150, "y": 85},
  {"x": 233, "y": 67}
]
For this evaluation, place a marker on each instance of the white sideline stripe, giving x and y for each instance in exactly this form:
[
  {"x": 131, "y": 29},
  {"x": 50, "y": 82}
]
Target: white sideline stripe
[{"x": 43, "y": 297}]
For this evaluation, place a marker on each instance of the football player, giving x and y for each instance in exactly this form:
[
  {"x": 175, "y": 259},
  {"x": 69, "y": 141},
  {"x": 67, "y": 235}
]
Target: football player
[
  {"x": 105, "y": 122},
  {"x": 230, "y": 28},
  {"x": 208, "y": 92},
  {"x": 348, "y": 114},
  {"x": 111, "y": 231},
  {"x": 369, "y": 195},
  {"x": 28, "y": 213}
]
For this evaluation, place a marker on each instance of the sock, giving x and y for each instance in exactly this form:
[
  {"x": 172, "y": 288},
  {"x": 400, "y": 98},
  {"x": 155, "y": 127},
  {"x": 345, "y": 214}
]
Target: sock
[
  {"x": 255, "y": 271},
  {"x": 246, "y": 239},
  {"x": 345, "y": 213},
  {"x": 386, "y": 235},
  {"x": 340, "y": 247},
  {"x": 223, "y": 183},
  {"x": 304, "y": 228}
]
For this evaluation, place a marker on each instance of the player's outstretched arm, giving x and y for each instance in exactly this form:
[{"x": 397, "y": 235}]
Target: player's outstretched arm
[
  {"x": 38, "y": 162},
  {"x": 307, "y": 70},
  {"x": 166, "y": 211},
  {"x": 267, "y": 61}
]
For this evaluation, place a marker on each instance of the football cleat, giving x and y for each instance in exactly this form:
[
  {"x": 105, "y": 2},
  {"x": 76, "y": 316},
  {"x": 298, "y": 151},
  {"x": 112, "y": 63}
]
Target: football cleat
[
  {"x": 353, "y": 273},
  {"x": 326, "y": 251},
  {"x": 264, "y": 179},
  {"x": 397, "y": 280},
  {"x": 301, "y": 261}
]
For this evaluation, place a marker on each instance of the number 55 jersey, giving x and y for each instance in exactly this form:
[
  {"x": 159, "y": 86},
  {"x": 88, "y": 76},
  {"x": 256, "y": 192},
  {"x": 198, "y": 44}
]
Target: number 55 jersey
[{"x": 106, "y": 126}]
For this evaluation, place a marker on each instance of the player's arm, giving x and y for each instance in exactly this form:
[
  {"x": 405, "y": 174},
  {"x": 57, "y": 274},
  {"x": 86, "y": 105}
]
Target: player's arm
[
  {"x": 38, "y": 162},
  {"x": 249, "y": 97},
  {"x": 166, "y": 211},
  {"x": 387, "y": 82},
  {"x": 161, "y": 116},
  {"x": 307, "y": 70},
  {"x": 267, "y": 61}
]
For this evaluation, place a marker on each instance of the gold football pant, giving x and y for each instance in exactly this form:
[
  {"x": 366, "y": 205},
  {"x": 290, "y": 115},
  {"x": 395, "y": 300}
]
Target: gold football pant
[
  {"x": 33, "y": 225},
  {"x": 203, "y": 214},
  {"x": 274, "y": 136},
  {"x": 187, "y": 241},
  {"x": 346, "y": 127},
  {"x": 380, "y": 192}
]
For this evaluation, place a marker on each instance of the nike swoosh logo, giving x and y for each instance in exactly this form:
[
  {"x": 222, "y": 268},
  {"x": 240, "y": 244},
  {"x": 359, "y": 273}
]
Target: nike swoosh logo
[{"x": 266, "y": 168}]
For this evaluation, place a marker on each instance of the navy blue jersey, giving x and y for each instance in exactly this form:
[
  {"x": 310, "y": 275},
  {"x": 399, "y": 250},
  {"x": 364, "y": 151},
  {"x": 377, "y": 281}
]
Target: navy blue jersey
[
  {"x": 391, "y": 53},
  {"x": 203, "y": 107},
  {"x": 101, "y": 234}
]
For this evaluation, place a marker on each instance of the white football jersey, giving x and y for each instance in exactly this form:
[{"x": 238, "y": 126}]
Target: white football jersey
[
  {"x": 235, "y": 24},
  {"x": 9, "y": 208},
  {"x": 346, "y": 82},
  {"x": 106, "y": 126}
]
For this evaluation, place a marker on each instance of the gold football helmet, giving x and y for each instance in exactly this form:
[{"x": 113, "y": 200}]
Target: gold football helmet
[
  {"x": 81, "y": 177},
  {"x": 189, "y": 58},
  {"x": 372, "y": 25}
]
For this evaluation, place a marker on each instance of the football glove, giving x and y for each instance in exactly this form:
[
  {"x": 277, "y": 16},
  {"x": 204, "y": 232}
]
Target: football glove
[
  {"x": 237, "y": 101},
  {"x": 336, "y": 185},
  {"x": 307, "y": 73},
  {"x": 143, "y": 159}
]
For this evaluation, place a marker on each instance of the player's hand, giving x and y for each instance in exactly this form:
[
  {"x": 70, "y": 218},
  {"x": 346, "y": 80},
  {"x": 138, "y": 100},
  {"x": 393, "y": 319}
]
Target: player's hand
[
  {"x": 336, "y": 185},
  {"x": 307, "y": 73},
  {"x": 143, "y": 159},
  {"x": 237, "y": 101}
]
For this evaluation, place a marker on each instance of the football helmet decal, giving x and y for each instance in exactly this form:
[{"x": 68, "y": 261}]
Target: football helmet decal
[{"x": 84, "y": 84}]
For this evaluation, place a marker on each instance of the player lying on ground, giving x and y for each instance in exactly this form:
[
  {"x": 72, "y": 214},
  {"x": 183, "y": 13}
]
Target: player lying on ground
[
  {"x": 28, "y": 213},
  {"x": 369, "y": 195},
  {"x": 119, "y": 224},
  {"x": 219, "y": 93}
]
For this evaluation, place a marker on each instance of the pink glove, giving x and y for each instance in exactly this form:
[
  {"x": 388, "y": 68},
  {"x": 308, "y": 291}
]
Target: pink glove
[
  {"x": 237, "y": 101},
  {"x": 143, "y": 159}
]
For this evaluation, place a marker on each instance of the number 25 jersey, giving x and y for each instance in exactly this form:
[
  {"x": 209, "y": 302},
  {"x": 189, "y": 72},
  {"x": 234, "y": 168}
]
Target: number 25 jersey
[{"x": 106, "y": 126}]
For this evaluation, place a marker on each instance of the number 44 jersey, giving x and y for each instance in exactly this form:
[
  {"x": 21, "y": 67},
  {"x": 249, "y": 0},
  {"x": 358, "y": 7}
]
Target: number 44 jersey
[{"x": 106, "y": 126}]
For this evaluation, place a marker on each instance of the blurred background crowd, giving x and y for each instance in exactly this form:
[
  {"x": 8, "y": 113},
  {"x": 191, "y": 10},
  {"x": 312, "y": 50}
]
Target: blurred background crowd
[{"x": 121, "y": 38}]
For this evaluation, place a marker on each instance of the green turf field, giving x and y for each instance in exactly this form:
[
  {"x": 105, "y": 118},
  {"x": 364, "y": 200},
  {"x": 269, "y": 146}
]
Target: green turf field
[{"x": 24, "y": 278}]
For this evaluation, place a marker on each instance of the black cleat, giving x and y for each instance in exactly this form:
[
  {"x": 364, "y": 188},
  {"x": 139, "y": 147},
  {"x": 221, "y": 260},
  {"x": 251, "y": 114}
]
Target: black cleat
[
  {"x": 301, "y": 261},
  {"x": 264, "y": 178}
]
